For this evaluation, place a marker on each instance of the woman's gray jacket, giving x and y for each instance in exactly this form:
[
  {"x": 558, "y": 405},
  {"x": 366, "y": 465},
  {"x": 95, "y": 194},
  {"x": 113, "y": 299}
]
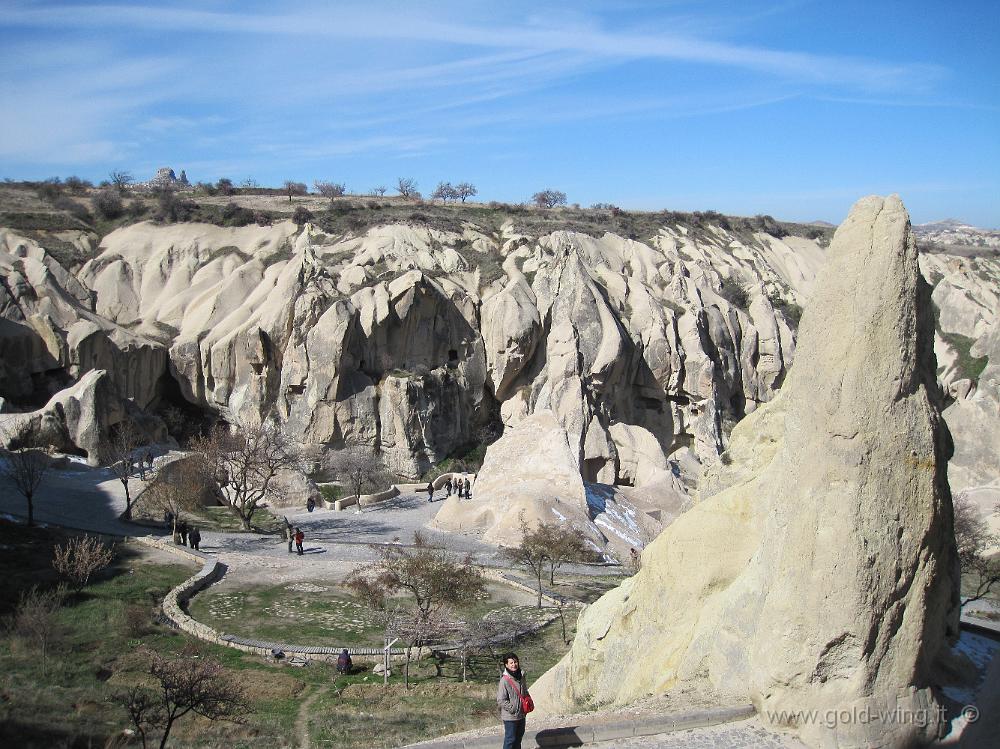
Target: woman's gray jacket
[{"x": 507, "y": 699}]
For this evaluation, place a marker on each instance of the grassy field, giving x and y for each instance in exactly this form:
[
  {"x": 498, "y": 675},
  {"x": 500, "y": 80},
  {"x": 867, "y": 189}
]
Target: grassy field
[
  {"x": 67, "y": 699},
  {"x": 311, "y": 614}
]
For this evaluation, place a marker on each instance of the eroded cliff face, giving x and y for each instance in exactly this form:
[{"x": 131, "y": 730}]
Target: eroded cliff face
[
  {"x": 414, "y": 339},
  {"x": 821, "y": 571}
]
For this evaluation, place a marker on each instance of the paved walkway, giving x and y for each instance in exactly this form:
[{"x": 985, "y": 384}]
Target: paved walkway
[{"x": 745, "y": 734}]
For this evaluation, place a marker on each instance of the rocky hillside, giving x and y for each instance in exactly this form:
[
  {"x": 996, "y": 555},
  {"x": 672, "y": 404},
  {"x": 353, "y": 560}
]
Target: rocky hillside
[
  {"x": 819, "y": 570},
  {"x": 957, "y": 235},
  {"x": 420, "y": 335}
]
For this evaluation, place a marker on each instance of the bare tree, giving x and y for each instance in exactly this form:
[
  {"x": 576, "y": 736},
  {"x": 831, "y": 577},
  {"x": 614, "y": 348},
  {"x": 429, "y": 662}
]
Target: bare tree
[
  {"x": 407, "y": 187},
  {"x": 294, "y": 188},
  {"x": 532, "y": 552},
  {"x": 36, "y": 620},
  {"x": 144, "y": 710},
  {"x": 178, "y": 487},
  {"x": 379, "y": 190},
  {"x": 81, "y": 557},
  {"x": 549, "y": 198},
  {"x": 360, "y": 468},
  {"x": 120, "y": 460},
  {"x": 465, "y": 190},
  {"x": 564, "y": 544},
  {"x": 445, "y": 192},
  {"x": 185, "y": 684},
  {"x": 973, "y": 538},
  {"x": 330, "y": 189},
  {"x": 121, "y": 179},
  {"x": 243, "y": 462},
  {"x": 25, "y": 467},
  {"x": 432, "y": 579}
]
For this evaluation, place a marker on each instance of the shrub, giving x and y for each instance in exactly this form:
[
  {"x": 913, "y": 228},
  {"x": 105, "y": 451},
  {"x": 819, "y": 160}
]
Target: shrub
[
  {"x": 791, "y": 311},
  {"x": 302, "y": 215},
  {"x": 734, "y": 292},
  {"x": 77, "y": 186},
  {"x": 173, "y": 208},
  {"x": 108, "y": 204},
  {"x": 36, "y": 621},
  {"x": 225, "y": 186},
  {"x": 73, "y": 208},
  {"x": 234, "y": 215},
  {"x": 261, "y": 219},
  {"x": 50, "y": 189},
  {"x": 81, "y": 557}
]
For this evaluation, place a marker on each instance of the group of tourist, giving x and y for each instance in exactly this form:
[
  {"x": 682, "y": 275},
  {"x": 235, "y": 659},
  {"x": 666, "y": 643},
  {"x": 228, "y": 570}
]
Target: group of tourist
[
  {"x": 461, "y": 485},
  {"x": 187, "y": 535},
  {"x": 141, "y": 465}
]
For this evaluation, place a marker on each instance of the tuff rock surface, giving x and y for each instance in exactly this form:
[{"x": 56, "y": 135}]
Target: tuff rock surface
[
  {"x": 417, "y": 341},
  {"x": 821, "y": 571}
]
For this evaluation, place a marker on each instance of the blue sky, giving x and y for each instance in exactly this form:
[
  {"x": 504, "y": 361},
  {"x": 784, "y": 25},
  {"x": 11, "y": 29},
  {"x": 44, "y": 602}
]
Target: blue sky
[{"x": 792, "y": 108}]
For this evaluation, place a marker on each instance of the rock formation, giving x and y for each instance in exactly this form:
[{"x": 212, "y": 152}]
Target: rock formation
[
  {"x": 396, "y": 339},
  {"x": 79, "y": 419},
  {"x": 418, "y": 340},
  {"x": 967, "y": 306},
  {"x": 50, "y": 337},
  {"x": 532, "y": 475},
  {"x": 821, "y": 573}
]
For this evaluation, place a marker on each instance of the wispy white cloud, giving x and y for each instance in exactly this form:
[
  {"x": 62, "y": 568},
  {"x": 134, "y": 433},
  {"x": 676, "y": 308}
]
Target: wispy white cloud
[{"x": 360, "y": 22}]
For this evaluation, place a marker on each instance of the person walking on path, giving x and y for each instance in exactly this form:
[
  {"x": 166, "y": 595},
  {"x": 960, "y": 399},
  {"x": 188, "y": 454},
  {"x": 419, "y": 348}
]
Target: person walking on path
[
  {"x": 195, "y": 536},
  {"x": 183, "y": 530},
  {"x": 299, "y": 538},
  {"x": 468, "y": 488},
  {"x": 447, "y": 487},
  {"x": 430, "y": 491},
  {"x": 458, "y": 486},
  {"x": 289, "y": 535},
  {"x": 310, "y": 504},
  {"x": 511, "y": 694}
]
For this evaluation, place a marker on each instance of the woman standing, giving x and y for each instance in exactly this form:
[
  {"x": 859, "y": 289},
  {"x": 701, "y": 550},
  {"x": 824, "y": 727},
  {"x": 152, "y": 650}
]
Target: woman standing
[{"x": 512, "y": 694}]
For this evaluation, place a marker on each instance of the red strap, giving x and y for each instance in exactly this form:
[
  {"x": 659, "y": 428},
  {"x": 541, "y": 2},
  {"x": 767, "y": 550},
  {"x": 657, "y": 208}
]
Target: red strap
[{"x": 513, "y": 684}]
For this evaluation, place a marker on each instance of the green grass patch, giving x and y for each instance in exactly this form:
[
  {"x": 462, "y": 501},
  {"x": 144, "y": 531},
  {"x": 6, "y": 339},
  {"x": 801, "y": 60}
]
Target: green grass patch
[
  {"x": 331, "y": 492},
  {"x": 325, "y": 614},
  {"x": 221, "y": 518},
  {"x": 971, "y": 367}
]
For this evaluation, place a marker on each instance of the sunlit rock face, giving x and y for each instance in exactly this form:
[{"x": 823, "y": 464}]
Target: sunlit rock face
[
  {"x": 419, "y": 340},
  {"x": 413, "y": 339},
  {"x": 821, "y": 573}
]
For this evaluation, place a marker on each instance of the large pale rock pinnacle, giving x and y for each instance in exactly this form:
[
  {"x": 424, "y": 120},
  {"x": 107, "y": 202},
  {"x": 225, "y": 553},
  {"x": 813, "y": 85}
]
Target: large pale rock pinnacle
[
  {"x": 822, "y": 573},
  {"x": 531, "y": 475}
]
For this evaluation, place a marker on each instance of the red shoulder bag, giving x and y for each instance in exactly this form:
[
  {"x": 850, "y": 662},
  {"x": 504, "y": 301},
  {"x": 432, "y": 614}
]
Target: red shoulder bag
[{"x": 527, "y": 704}]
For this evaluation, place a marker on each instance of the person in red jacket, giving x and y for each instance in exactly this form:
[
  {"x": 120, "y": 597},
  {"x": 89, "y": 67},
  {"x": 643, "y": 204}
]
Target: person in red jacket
[{"x": 299, "y": 538}]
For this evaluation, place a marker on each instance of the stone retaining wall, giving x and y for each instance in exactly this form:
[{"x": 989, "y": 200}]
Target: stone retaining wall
[
  {"x": 175, "y": 604},
  {"x": 367, "y": 500}
]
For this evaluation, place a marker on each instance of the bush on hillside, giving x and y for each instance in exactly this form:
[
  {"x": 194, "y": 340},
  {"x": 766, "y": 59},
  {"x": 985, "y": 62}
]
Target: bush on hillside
[
  {"x": 302, "y": 215},
  {"x": 108, "y": 204}
]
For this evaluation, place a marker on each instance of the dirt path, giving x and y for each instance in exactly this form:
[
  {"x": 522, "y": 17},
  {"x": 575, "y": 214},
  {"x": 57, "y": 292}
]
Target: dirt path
[{"x": 302, "y": 720}]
